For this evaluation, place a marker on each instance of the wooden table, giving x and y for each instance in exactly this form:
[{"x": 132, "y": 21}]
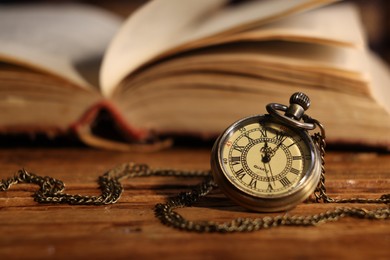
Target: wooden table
[{"x": 129, "y": 229}]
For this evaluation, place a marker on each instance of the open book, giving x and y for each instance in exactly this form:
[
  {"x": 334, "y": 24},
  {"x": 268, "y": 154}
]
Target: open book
[{"x": 183, "y": 67}]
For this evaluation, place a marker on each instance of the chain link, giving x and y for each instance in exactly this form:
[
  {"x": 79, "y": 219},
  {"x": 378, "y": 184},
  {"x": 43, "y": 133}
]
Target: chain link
[
  {"x": 320, "y": 192},
  {"x": 167, "y": 215},
  {"x": 51, "y": 191}
]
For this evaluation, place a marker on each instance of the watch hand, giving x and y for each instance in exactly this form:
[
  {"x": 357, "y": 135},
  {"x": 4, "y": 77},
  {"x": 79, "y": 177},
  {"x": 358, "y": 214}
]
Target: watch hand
[
  {"x": 264, "y": 149},
  {"x": 277, "y": 146},
  {"x": 270, "y": 170},
  {"x": 266, "y": 172},
  {"x": 266, "y": 153}
]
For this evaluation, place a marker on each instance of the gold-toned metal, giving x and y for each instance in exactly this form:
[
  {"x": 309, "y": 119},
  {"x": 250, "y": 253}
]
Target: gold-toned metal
[
  {"x": 269, "y": 162},
  {"x": 51, "y": 190},
  {"x": 167, "y": 215},
  {"x": 265, "y": 165}
]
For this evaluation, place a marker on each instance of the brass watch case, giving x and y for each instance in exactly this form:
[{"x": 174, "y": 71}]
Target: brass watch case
[{"x": 273, "y": 202}]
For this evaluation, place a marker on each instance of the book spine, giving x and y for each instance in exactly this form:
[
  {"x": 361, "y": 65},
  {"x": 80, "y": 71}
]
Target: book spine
[
  {"x": 132, "y": 139},
  {"x": 92, "y": 114}
]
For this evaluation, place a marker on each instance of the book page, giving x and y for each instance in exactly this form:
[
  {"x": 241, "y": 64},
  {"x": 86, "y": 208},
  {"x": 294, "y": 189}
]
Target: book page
[
  {"x": 320, "y": 25},
  {"x": 163, "y": 25},
  {"x": 66, "y": 40},
  {"x": 380, "y": 78},
  {"x": 322, "y": 66},
  {"x": 204, "y": 103}
]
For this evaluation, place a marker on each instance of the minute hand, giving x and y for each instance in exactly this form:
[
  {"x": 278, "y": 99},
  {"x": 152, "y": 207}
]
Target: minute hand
[
  {"x": 278, "y": 145},
  {"x": 270, "y": 171}
]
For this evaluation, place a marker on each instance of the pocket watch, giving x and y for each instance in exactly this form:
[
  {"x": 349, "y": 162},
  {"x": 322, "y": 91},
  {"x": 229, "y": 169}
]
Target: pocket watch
[{"x": 269, "y": 162}]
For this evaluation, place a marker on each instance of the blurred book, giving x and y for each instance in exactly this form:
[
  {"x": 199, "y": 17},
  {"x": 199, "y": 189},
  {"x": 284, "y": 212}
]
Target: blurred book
[{"x": 187, "y": 68}]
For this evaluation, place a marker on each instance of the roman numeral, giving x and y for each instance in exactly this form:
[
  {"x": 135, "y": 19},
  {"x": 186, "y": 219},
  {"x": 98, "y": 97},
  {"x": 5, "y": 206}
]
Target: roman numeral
[
  {"x": 263, "y": 132},
  {"x": 297, "y": 157},
  {"x": 239, "y": 148},
  {"x": 269, "y": 188},
  {"x": 240, "y": 174},
  {"x": 280, "y": 137},
  {"x": 235, "y": 160},
  {"x": 285, "y": 181},
  {"x": 249, "y": 138},
  {"x": 295, "y": 171},
  {"x": 253, "y": 183}
]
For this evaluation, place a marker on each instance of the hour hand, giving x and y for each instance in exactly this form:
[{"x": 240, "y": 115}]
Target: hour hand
[
  {"x": 266, "y": 153},
  {"x": 265, "y": 158}
]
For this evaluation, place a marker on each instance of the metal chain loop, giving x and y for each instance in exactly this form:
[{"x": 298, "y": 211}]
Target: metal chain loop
[
  {"x": 167, "y": 215},
  {"x": 51, "y": 191},
  {"x": 320, "y": 192}
]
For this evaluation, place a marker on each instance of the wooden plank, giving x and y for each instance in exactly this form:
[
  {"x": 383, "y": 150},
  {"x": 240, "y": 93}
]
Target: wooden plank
[{"x": 129, "y": 229}]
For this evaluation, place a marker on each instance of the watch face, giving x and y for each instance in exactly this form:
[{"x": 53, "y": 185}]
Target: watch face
[{"x": 263, "y": 158}]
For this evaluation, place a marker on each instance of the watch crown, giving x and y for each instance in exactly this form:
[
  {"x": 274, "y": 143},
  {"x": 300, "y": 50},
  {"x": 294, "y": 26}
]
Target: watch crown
[
  {"x": 299, "y": 102},
  {"x": 301, "y": 99}
]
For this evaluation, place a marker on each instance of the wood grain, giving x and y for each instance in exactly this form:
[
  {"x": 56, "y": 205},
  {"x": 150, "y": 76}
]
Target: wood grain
[{"x": 128, "y": 229}]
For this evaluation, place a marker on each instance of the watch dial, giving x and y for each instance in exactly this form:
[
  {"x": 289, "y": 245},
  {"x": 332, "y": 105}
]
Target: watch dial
[{"x": 264, "y": 158}]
